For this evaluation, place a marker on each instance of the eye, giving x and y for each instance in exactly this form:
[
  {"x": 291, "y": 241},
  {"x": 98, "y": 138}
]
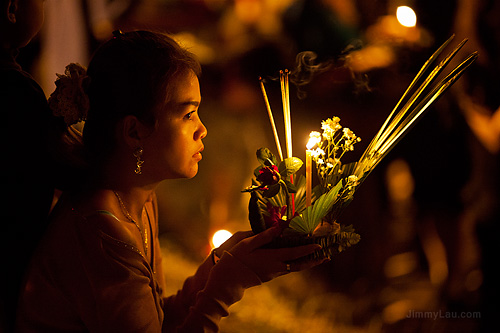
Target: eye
[{"x": 189, "y": 115}]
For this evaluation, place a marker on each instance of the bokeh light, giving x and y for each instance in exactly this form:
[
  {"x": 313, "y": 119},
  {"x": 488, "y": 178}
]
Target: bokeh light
[
  {"x": 406, "y": 16},
  {"x": 219, "y": 237}
]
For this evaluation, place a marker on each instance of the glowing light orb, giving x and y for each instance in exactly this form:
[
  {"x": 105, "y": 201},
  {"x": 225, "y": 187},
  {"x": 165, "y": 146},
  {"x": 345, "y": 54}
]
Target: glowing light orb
[
  {"x": 406, "y": 16},
  {"x": 220, "y": 236}
]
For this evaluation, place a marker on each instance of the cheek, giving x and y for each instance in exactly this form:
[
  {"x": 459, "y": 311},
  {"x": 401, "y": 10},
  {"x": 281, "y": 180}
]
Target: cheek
[
  {"x": 33, "y": 18},
  {"x": 174, "y": 141},
  {"x": 168, "y": 150}
]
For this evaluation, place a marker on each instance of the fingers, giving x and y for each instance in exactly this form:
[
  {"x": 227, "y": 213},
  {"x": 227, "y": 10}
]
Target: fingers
[
  {"x": 263, "y": 238},
  {"x": 303, "y": 264},
  {"x": 233, "y": 240},
  {"x": 241, "y": 235},
  {"x": 293, "y": 253}
]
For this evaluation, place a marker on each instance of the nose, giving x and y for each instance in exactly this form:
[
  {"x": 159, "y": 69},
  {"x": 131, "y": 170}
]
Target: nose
[{"x": 201, "y": 133}]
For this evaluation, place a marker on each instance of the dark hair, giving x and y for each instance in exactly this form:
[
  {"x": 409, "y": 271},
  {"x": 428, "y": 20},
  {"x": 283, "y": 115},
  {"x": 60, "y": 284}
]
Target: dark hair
[{"x": 130, "y": 74}]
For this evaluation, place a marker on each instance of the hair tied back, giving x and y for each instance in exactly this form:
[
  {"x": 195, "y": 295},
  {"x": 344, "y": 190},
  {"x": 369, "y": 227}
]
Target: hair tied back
[{"x": 70, "y": 99}]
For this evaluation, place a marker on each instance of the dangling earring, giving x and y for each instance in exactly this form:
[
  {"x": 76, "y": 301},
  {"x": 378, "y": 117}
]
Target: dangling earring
[{"x": 138, "y": 154}]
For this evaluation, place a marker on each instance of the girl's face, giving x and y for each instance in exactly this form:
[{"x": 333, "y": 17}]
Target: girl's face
[{"x": 174, "y": 149}]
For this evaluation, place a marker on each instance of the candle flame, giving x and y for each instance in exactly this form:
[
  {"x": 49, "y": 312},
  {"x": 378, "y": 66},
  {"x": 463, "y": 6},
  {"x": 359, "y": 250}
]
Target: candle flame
[{"x": 313, "y": 140}]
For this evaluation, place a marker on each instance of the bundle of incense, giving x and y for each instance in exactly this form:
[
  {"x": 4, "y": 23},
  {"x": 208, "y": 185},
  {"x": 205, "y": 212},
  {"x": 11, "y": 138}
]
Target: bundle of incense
[
  {"x": 412, "y": 105},
  {"x": 285, "y": 97}
]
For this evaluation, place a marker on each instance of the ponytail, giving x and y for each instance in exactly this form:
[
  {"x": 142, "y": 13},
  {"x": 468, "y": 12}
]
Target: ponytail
[
  {"x": 69, "y": 104},
  {"x": 70, "y": 99}
]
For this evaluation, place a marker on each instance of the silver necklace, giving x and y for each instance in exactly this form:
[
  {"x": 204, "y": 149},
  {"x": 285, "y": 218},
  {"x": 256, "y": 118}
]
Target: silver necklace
[{"x": 129, "y": 217}]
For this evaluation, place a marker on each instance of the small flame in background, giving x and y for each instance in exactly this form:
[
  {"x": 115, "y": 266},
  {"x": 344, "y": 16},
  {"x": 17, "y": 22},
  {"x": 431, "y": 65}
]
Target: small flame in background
[
  {"x": 219, "y": 237},
  {"x": 406, "y": 16}
]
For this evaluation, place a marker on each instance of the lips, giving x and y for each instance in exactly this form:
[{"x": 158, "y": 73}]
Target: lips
[{"x": 198, "y": 155}]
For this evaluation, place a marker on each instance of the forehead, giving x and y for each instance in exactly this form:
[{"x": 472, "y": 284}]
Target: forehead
[{"x": 185, "y": 89}]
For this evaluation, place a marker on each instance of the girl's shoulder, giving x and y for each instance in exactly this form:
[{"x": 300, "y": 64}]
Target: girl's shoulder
[
  {"x": 113, "y": 230},
  {"x": 98, "y": 215}
]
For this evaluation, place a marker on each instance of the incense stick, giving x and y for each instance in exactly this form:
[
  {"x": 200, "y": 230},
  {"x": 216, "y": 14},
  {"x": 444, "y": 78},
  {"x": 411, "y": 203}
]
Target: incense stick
[
  {"x": 286, "y": 111},
  {"x": 271, "y": 119},
  {"x": 419, "y": 75},
  {"x": 440, "y": 88},
  {"x": 396, "y": 126},
  {"x": 285, "y": 97}
]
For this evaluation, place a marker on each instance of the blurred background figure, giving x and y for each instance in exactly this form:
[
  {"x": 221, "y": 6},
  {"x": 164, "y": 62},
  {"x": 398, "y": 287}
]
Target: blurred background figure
[
  {"x": 72, "y": 30},
  {"x": 27, "y": 173},
  {"x": 477, "y": 97}
]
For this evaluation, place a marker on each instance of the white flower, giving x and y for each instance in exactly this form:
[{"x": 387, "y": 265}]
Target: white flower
[
  {"x": 352, "y": 180},
  {"x": 316, "y": 135},
  {"x": 348, "y": 133},
  {"x": 317, "y": 153},
  {"x": 330, "y": 127}
]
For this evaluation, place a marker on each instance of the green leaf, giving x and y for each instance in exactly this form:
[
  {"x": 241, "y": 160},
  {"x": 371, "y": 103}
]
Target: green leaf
[
  {"x": 254, "y": 214},
  {"x": 290, "y": 186},
  {"x": 265, "y": 157},
  {"x": 300, "y": 194},
  {"x": 313, "y": 215},
  {"x": 325, "y": 202},
  {"x": 298, "y": 224},
  {"x": 289, "y": 166}
]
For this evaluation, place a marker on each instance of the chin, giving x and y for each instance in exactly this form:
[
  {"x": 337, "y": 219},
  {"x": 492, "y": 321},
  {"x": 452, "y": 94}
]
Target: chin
[
  {"x": 192, "y": 175},
  {"x": 189, "y": 174}
]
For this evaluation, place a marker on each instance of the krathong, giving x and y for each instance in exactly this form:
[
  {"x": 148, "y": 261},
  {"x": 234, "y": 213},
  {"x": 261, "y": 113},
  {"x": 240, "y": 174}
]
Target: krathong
[{"x": 280, "y": 197}]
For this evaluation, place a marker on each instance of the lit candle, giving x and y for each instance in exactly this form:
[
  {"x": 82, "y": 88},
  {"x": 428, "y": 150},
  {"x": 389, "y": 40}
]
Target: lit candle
[
  {"x": 308, "y": 177},
  {"x": 313, "y": 140}
]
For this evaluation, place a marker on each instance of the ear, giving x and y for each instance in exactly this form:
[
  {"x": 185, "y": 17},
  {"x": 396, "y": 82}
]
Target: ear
[
  {"x": 133, "y": 131},
  {"x": 10, "y": 9}
]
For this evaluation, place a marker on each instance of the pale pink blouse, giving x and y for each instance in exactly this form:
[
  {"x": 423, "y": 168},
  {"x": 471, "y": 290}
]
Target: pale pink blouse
[{"x": 87, "y": 276}]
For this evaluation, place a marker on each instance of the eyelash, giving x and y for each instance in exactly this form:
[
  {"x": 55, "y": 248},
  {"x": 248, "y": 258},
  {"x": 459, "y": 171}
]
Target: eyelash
[{"x": 189, "y": 115}]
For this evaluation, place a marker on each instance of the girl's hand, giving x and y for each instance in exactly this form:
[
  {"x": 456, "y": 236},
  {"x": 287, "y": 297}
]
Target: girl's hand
[
  {"x": 268, "y": 263},
  {"x": 232, "y": 241}
]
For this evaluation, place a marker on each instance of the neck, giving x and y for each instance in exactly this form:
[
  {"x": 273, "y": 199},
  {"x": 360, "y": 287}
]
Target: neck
[
  {"x": 8, "y": 56},
  {"x": 133, "y": 189}
]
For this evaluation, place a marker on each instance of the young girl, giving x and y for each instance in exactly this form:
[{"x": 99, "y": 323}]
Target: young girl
[{"x": 99, "y": 267}]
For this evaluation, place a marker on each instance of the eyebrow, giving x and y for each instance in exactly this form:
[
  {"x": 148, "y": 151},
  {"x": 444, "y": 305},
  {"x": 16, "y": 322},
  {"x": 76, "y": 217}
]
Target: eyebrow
[{"x": 193, "y": 103}]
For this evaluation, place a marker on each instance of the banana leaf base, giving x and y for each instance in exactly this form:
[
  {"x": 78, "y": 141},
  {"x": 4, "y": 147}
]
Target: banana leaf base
[{"x": 332, "y": 243}]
